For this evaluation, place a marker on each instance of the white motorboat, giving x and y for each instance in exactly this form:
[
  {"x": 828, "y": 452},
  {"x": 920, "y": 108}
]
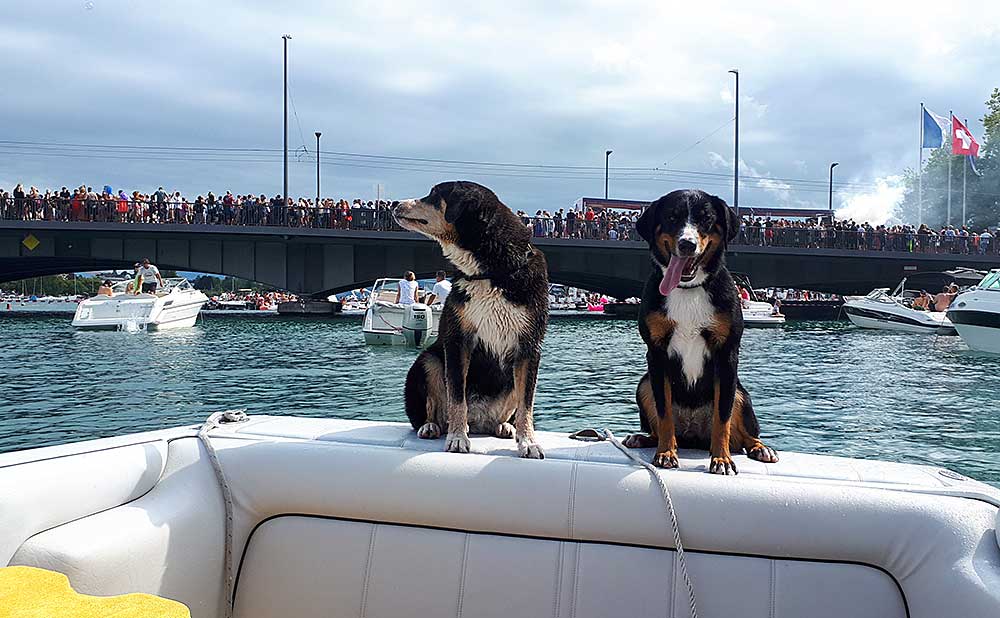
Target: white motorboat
[
  {"x": 175, "y": 305},
  {"x": 39, "y": 304},
  {"x": 976, "y": 314},
  {"x": 313, "y": 517},
  {"x": 759, "y": 314},
  {"x": 885, "y": 310},
  {"x": 390, "y": 323}
]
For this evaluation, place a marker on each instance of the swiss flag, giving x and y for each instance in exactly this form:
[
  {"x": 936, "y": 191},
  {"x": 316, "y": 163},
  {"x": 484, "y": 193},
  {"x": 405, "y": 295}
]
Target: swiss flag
[{"x": 962, "y": 142}]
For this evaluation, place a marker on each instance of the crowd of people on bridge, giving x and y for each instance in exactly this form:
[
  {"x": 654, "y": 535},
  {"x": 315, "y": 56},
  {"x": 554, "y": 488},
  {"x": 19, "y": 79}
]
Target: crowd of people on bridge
[
  {"x": 852, "y": 235},
  {"x": 170, "y": 207}
]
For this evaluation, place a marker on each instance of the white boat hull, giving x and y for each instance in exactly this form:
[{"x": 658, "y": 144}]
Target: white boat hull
[
  {"x": 976, "y": 316},
  {"x": 389, "y": 323},
  {"x": 177, "y": 309},
  {"x": 898, "y": 319}
]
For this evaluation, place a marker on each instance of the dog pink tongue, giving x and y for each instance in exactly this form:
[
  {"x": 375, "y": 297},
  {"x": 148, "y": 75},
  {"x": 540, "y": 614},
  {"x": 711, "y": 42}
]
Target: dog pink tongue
[{"x": 672, "y": 275}]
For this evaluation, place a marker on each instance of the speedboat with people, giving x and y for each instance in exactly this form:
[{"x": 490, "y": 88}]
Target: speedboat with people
[
  {"x": 976, "y": 314},
  {"x": 909, "y": 308},
  {"x": 756, "y": 312},
  {"x": 388, "y": 322},
  {"x": 174, "y": 305},
  {"x": 272, "y": 516}
]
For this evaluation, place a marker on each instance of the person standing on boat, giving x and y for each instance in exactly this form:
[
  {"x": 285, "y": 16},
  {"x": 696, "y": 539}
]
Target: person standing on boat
[
  {"x": 442, "y": 288},
  {"x": 408, "y": 287},
  {"x": 150, "y": 277}
]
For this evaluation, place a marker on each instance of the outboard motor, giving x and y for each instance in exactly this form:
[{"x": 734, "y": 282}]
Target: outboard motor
[{"x": 417, "y": 320}]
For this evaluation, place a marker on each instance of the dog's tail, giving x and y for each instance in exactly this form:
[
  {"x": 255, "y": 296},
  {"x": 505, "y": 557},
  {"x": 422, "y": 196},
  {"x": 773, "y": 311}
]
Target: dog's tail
[{"x": 415, "y": 393}]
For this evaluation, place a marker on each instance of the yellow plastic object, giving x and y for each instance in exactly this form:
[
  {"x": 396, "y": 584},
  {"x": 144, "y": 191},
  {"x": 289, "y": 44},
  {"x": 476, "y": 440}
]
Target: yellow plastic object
[{"x": 27, "y": 592}]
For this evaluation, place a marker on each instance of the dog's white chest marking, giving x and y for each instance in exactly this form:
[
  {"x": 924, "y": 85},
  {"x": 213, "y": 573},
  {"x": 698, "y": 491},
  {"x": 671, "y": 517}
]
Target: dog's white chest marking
[
  {"x": 461, "y": 258},
  {"x": 494, "y": 320},
  {"x": 692, "y": 310}
]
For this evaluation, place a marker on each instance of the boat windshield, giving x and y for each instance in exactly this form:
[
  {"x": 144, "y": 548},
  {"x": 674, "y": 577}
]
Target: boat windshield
[
  {"x": 880, "y": 294},
  {"x": 170, "y": 284},
  {"x": 991, "y": 281}
]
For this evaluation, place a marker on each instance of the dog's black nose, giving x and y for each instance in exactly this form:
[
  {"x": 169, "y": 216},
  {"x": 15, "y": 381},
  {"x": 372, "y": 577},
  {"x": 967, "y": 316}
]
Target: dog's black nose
[{"x": 686, "y": 247}]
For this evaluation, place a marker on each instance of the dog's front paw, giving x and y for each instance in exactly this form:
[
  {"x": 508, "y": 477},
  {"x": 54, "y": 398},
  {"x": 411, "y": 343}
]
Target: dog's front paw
[
  {"x": 666, "y": 459},
  {"x": 722, "y": 465},
  {"x": 529, "y": 450},
  {"x": 457, "y": 443},
  {"x": 429, "y": 431},
  {"x": 504, "y": 430},
  {"x": 763, "y": 453},
  {"x": 639, "y": 440}
]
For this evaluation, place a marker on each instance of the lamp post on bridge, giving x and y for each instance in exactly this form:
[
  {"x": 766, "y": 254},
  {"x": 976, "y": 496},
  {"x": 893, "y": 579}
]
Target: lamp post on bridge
[
  {"x": 284, "y": 190},
  {"x": 317, "y": 169},
  {"x": 736, "y": 148},
  {"x": 607, "y": 159},
  {"x": 832, "y": 165}
]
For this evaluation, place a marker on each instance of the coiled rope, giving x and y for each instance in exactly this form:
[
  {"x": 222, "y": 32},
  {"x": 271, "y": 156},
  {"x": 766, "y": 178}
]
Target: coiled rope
[
  {"x": 594, "y": 435},
  {"x": 213, "y": 421}
]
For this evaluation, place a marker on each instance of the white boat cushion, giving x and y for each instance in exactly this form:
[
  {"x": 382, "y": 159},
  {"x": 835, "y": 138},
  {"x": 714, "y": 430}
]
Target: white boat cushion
[
  {"x": 311, "y": 567},
  {"x": 168, "y": 543}
]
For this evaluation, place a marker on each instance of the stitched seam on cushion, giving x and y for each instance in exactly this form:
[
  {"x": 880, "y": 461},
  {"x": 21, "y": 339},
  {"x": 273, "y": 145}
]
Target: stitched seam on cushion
[
  {"x": 673, "y": 584},
  {"x": 461, "y": 580},
  {"x": 559, "y": 561},
  {"x": 368, "y": 571},
  {"x": 774, "y": 572},
  {"x": 576, "y": 581},
  {"x": 571, "y": 511}
]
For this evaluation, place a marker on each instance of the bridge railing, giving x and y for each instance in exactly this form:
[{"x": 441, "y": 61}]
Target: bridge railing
[{"x": 380, "y": 219}]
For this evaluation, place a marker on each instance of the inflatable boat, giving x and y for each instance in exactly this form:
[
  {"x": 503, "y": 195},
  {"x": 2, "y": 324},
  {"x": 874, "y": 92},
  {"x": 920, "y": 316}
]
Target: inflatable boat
[{"x": 307, "y": 517}]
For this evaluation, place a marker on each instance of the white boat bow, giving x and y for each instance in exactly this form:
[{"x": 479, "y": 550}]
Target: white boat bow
[{"x": 341, "y": 517}]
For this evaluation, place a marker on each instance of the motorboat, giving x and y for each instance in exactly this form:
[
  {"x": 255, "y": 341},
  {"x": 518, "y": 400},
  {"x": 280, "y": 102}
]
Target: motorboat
[
  {"x": 883, "y": 309},
  {"x": 283, "y": 516},
  {"x": 18, "y": 304},
  {"x": 387, "y": 322},
  {"x": 760, "y": 314},
  {"x": 893, "y": 310},
  {"x": 756, "y": 312},
  {"x": 175, "y": 305},
  {"x": 976, "y": 314}
]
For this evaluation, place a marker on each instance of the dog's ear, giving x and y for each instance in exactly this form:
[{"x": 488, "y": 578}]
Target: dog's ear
[
  {"x": 458, "y": 198},
  {"x": 727, "y": 218},
  {"x": 646, "y": 223}
]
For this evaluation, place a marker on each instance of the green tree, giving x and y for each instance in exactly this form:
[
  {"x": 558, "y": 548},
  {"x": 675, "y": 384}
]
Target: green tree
[{"x": 982, "y": 192}]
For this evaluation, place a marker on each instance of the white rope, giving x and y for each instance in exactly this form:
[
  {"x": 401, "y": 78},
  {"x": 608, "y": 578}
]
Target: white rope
[
  {"x": 213, "y": 421},
  {"x": 605, "y": 434}
]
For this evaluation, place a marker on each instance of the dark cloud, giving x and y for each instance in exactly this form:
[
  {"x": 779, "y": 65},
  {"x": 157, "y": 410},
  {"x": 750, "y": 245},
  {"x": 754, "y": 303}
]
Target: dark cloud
[{"x": 529, "y": 83}]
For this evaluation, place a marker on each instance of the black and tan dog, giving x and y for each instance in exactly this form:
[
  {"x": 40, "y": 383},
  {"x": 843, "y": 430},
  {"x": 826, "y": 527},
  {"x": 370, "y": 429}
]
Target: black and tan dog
[
  {"x": 692, "y": 322},
  {"x": 481, "y": 371}
]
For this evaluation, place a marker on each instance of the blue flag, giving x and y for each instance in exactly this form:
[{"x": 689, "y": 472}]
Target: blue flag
[
  {"x": 972, "y": 163},
  {"x": 935, "y": 128}
]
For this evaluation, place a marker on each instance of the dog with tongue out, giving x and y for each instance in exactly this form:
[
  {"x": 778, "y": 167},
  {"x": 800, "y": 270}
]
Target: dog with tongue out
[{"x": 691, "y": 320}]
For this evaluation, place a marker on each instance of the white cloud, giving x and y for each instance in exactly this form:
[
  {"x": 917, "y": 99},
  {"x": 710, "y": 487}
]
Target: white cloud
[{"x": 877, "y": 205}]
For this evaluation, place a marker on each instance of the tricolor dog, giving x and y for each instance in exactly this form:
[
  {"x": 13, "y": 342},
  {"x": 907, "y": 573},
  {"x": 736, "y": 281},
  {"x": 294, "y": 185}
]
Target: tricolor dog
[
  {"x": 480, "y": 373},
  {"x": 691, "y": 321}
]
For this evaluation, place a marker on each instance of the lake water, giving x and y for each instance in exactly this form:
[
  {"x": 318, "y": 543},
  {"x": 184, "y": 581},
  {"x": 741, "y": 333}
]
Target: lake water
[{"x": 819, "y": 387}]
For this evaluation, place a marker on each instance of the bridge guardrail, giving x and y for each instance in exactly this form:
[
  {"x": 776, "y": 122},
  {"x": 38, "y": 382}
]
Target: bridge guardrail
[{"x": 380, "y": 219}]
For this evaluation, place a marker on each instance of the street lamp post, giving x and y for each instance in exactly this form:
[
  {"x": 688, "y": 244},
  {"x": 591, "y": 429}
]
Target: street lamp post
[
  {"x": 317, "y": 168},
  {"x": 284, "y": 191},
  {"x": 607, "y": 158},
  {"x": 832, "y": 165},
  {"x": 736, "y": 148}
]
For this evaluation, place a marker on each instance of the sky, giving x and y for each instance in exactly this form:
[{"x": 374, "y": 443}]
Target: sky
[{"x": 529, "y": 94}]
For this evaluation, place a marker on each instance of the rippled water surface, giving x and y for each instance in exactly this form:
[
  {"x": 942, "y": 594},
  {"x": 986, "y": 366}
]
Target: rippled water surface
[{"x": 818, "y": 387}]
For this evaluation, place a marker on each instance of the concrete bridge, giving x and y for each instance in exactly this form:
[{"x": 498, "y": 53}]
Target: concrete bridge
[{"x": 320, "y": 261}]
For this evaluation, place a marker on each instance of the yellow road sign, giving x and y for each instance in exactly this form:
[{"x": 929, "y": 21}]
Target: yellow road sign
[{"x": 31, "y": 242}]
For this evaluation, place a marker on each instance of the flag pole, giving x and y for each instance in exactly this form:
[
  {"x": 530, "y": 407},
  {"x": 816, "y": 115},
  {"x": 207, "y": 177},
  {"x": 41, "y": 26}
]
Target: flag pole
[
  {"x": 920, "y": 171},
  {"x": 965, "y": 165},
  {"x": 951, "y": 132}
]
